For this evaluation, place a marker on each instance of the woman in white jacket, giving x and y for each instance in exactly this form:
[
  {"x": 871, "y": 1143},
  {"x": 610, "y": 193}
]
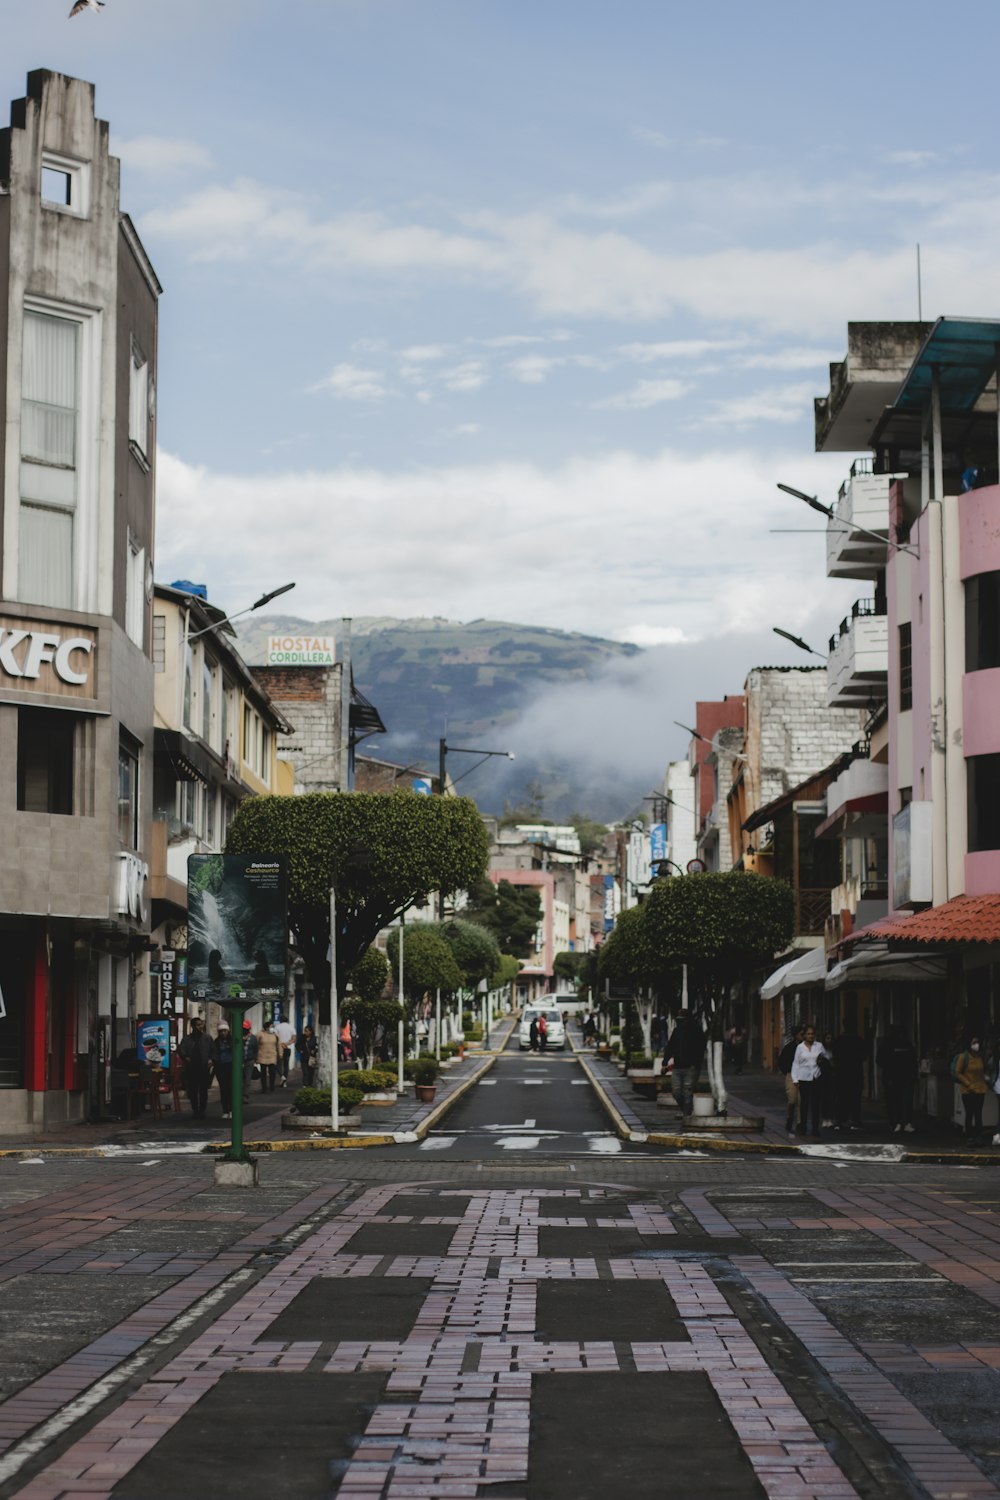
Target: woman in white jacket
[{"x": 807, "y": 1071}]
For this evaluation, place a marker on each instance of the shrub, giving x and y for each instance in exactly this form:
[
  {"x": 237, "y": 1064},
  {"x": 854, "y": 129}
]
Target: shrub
[
  {"x": 318, "y": 1102},
  {"x": 426, "y": 1071},
  {"x": 374, "y": 1081},
  {"x": 410, "y": 1066},
  {"x": 616, "y": 1046},
  {"x": 473, "y": 1033},
  {"x": 639, "y": 1060}
]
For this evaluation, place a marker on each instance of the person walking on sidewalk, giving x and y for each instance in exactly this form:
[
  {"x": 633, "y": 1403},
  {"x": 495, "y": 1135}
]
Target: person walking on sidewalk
[
  {"x": 808, "y": 1074},
  {"x": 849, "y": 1075},
  {"x": 195, "y": 1052},
  {"x": 268, "y": 1057},
  {"x": 543, "y": 1033},
  {"x": 686, "y": 1046},
  {"x": 898, "y": 1063},
  {"x": 969, "y": 1071},
  {"x": 249, "y": 1059},
  {"x": 533, "y": 1034},
  {"x": 306, "y": 1046},
  {"x": 285, "y": 1032},
  {"x": 828, "y": 1080},
  {"x": 222, "y": 1063},
  {"x": 785, "y": 1059}
]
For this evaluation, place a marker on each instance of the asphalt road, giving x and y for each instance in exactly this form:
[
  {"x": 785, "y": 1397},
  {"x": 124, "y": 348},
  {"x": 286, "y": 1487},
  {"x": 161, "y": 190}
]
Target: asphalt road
[
  {"x": 512, "y": 1311},
  {"x": 527, "y": 1104}
]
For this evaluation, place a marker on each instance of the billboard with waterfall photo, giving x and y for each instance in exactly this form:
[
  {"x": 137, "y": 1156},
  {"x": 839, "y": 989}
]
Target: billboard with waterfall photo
[{"x": 237, "y": 927}]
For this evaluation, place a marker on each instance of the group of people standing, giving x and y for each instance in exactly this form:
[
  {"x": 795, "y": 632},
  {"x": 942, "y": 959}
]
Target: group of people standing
[
  {"x": 824, "y": 1080},
  {"x": 266, "y": 1054},
  {"x": 538, "y": 1033}
]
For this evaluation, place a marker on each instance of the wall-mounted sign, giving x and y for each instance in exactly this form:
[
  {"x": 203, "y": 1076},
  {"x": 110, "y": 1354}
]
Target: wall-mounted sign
[
  {"x": 153, "y": 1042},
  {"x": 133, "y": 873},
  {"x": 912, "y": 834},
  {"x": 300, "y": 650},
  {"x": 47, "y": 659},
  {"x": 173, "y": 976},
  {"x": 422, "y": 786}
]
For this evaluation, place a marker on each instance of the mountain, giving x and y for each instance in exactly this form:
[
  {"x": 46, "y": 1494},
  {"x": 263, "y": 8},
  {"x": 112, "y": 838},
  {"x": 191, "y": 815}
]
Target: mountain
[{"x": 472, "y": 683}]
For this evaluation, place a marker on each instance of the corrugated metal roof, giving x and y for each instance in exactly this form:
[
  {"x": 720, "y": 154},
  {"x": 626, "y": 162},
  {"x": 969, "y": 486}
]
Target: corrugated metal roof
[{"x": 964, "y": 352}]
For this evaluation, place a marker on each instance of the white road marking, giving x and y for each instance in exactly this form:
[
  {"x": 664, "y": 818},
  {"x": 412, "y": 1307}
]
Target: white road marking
[
  {"x": 31, "y": 1161},
  {"x": 537, "y": 1082},
  {"x": 580, "y": 1082},
  {"x": 521, "y": 1143},
  {"x": 439, "y": 1143},
  {"x": 530, "y": 1124},
  {"x": 605, "y": 1145},
  {"x": 487, "y": 1083}
]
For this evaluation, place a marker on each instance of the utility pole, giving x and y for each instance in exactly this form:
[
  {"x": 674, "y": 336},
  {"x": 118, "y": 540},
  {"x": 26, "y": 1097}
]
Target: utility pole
[{"x": 344, "y": 777}]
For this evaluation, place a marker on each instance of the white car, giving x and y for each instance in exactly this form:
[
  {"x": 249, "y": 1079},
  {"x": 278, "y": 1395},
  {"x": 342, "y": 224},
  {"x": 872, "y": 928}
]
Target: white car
[{"x": 555, "y": 1030}]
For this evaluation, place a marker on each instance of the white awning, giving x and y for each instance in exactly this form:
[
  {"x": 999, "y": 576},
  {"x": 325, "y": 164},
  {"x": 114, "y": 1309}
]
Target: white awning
[
  {"x": 808, "y": 969},
  {"x": 877, "y": 965}
]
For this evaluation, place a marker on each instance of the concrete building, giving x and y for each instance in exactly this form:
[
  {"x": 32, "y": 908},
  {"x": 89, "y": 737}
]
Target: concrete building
[
  {"x": 927, "y": 499},
  {"x": 78, "y": 343},
  {"x": 217, "y": 741},
  {"x": 718, "y": 733},
  {"x": 679, "y": 793},
  {"x": 549, "y": 859}
]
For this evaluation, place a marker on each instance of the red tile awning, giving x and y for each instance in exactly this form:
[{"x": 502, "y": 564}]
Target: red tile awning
[{"x": 965, "y": 919}]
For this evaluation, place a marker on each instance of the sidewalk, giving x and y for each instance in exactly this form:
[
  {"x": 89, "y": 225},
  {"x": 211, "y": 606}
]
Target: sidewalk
[
  {"x": 755, "y": 1092},
  {"x": 384, "y": 1125}
]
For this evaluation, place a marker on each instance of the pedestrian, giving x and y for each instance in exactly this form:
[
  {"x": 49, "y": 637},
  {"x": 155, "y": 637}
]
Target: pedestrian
[
  {"x": 543, "y": 1032},
  {"x": 249, "y": 1059},
  {"x": 849, "y": 1075},
  {"x": 739, "y": 1048},
  {"x": 807, "y": 1073},
  {"x": 686, "y": 1048},
  {"x": 285, "y": 1032},
  {"x": 306, "y": 1047},
  {"x": 533, "y": 1034},
  {"x": 195, "y": 1052},
  {"x": 589, "y": 1029},
  {"x": 969, "y": 1071},
  {"x": 897, "y": 1061},
  {"x": 345, "y": 1048},
  {"x": 785, "y": 1059},
  {"x": 222, "y": 1063},
  {"x": 268, "y": 1056},
  {"x": 828, "y": 1080}
]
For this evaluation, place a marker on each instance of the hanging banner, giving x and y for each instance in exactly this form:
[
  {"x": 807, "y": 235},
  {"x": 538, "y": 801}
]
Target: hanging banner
[
  {"x": 609, "y": 902},
  {"x": 657, "y": 843},
  {"x": 237, "y": 928}
]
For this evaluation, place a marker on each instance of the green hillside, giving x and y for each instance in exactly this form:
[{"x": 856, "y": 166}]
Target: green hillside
[{"x": 470, "y": 681}]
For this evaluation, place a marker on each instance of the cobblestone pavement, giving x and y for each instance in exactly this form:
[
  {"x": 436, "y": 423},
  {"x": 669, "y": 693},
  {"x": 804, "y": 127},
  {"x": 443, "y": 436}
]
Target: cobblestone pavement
[{"x": 651, "y": 1326}]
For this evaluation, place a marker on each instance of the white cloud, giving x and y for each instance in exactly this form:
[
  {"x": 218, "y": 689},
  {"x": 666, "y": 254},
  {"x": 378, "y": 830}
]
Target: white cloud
[
  {"x": 785, "y": 403},
  {"x": 419, "y": 354},
  {"x": 646, "y": 354},
  {"x": 911, "y": 158},
  {"x": 532, "y": 369},
  {"x": 349, "y": 383},
  {"x": 470, "y": 375},
  {"x": 161, "y": 156},
  {"x": 467, "y": 429},
  {"x": 668, "y": 541},
  {"x": 643, "y": 394},
  {"x": 653, "y": 635},
  {"x": 652, "y": 138},
  {"x": 786, "y": 359}
]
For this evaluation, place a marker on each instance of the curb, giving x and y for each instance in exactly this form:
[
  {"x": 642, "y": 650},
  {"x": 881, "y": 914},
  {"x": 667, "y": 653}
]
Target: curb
[
  {"x": 427, "y": 1124},
  {"x": 621, "y": 1129}
]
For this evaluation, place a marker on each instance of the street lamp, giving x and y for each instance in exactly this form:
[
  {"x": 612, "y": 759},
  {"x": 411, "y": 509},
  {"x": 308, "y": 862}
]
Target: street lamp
[
  {"x": 264, "y": 599},
  {"x": 797, "y": 640},
  {"x": 695, "y": 735},
  {"x": 444, "y": 750},
  {"x": 831, "y": 515}
]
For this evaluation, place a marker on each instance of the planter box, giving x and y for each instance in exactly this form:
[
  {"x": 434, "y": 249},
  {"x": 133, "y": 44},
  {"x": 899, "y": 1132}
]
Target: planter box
[
  {"x": 702, "y": 1105},
  {"x": 380, "y": 1099},
  {"x": 319, "y": 1123}
]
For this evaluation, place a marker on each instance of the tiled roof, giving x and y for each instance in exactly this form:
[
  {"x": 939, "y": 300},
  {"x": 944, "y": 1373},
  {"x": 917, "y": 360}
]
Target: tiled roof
[{"x": 966, "y": 919}]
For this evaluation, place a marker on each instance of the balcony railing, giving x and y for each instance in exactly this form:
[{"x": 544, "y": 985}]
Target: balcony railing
[
  {"x": 858, "y": 665},
  {"x": 812, "y": 907},
  {"x": 862, "y": 509}
]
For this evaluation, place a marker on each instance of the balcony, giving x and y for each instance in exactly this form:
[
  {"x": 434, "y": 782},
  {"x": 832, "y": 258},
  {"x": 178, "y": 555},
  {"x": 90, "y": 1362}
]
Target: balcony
[
  {"x": 863, "y": 502},
  {"x": 857, "y": 669}
]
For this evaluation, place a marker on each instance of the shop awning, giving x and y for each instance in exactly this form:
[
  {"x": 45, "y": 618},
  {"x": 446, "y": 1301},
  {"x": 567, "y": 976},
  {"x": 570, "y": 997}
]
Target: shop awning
[
  {"x": 877, "y": 964},
  {"x": 808, "y": 969},
  {"x": 964, "y": 919}
]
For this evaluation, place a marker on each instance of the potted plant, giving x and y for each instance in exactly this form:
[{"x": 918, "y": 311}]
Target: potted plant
[{"x": 424, "y": 1076}]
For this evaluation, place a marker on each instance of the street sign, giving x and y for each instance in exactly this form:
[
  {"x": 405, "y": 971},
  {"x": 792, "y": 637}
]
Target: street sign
[
  {"x": 422, "y": 786},
  {"x": 237, "y": 927}
]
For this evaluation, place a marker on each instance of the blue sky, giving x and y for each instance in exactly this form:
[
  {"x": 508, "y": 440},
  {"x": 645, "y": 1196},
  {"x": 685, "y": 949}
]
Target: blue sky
[{"x": 511, "y": 309}]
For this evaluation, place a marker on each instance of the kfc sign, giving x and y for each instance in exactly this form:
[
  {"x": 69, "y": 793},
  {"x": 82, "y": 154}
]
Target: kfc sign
[
  {"x": 133, "y": 873},
  {"x": 47, "y": 658}
]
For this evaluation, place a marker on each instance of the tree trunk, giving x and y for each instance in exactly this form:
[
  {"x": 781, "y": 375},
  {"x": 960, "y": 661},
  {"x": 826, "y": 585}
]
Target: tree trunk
[
  {"x": 715, "y": 1077},
  {"x": 645, "y": 1007},
  {"x": 323, "y": 1075}
]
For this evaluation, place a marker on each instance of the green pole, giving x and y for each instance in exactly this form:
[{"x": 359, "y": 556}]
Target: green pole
[{"x": 236, "y": 1010}]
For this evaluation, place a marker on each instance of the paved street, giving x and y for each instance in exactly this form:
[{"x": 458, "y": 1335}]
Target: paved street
[{"x": 472, "y": 1318}]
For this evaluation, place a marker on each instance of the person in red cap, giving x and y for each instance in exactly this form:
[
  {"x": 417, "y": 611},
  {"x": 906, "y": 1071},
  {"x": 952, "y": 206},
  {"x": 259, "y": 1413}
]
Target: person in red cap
[{"x": 249, "y": 1059}]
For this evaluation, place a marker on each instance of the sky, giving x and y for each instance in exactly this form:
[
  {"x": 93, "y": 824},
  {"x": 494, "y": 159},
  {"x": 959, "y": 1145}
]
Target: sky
[{"x": 517, "y": 308}]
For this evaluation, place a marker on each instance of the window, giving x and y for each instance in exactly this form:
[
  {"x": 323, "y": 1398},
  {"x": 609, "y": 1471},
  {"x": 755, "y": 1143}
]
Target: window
[
  {"x": 128, "y": 792},
  {"x": 228, "y": 716},
  {"x": 982, "y": 622},
  {"x": 208, "y": 676},
  {"x": 229, "y": 810},
  {"x": 135, "y": 592},
  {"x": 984, "y": 802},
  {"x": 138, "y": 402},
  {"x": 905, "y": 667},
  {"x": 50, "y": 387},
  {"x": 45, "y": 760},
  {"x": 188, "y": 650},
  {"x": 65, "y": 184}
]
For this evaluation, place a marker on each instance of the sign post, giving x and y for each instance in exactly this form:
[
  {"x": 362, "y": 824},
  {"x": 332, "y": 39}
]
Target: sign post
[
  {"x": 334, "y": 1020},
  {"x": 237, "y": 956}
]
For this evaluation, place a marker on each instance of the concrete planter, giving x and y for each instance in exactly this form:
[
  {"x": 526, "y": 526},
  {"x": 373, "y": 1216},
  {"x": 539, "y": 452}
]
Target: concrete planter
[
  {"x": 321, "y": 1123},
  {"x": 702, "y": 1105},
  {"x": 380, "y": 1099}
]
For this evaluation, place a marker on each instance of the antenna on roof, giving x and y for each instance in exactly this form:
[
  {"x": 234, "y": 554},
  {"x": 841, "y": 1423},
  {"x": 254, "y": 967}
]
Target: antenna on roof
[{"x": 920, "y": 294}]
